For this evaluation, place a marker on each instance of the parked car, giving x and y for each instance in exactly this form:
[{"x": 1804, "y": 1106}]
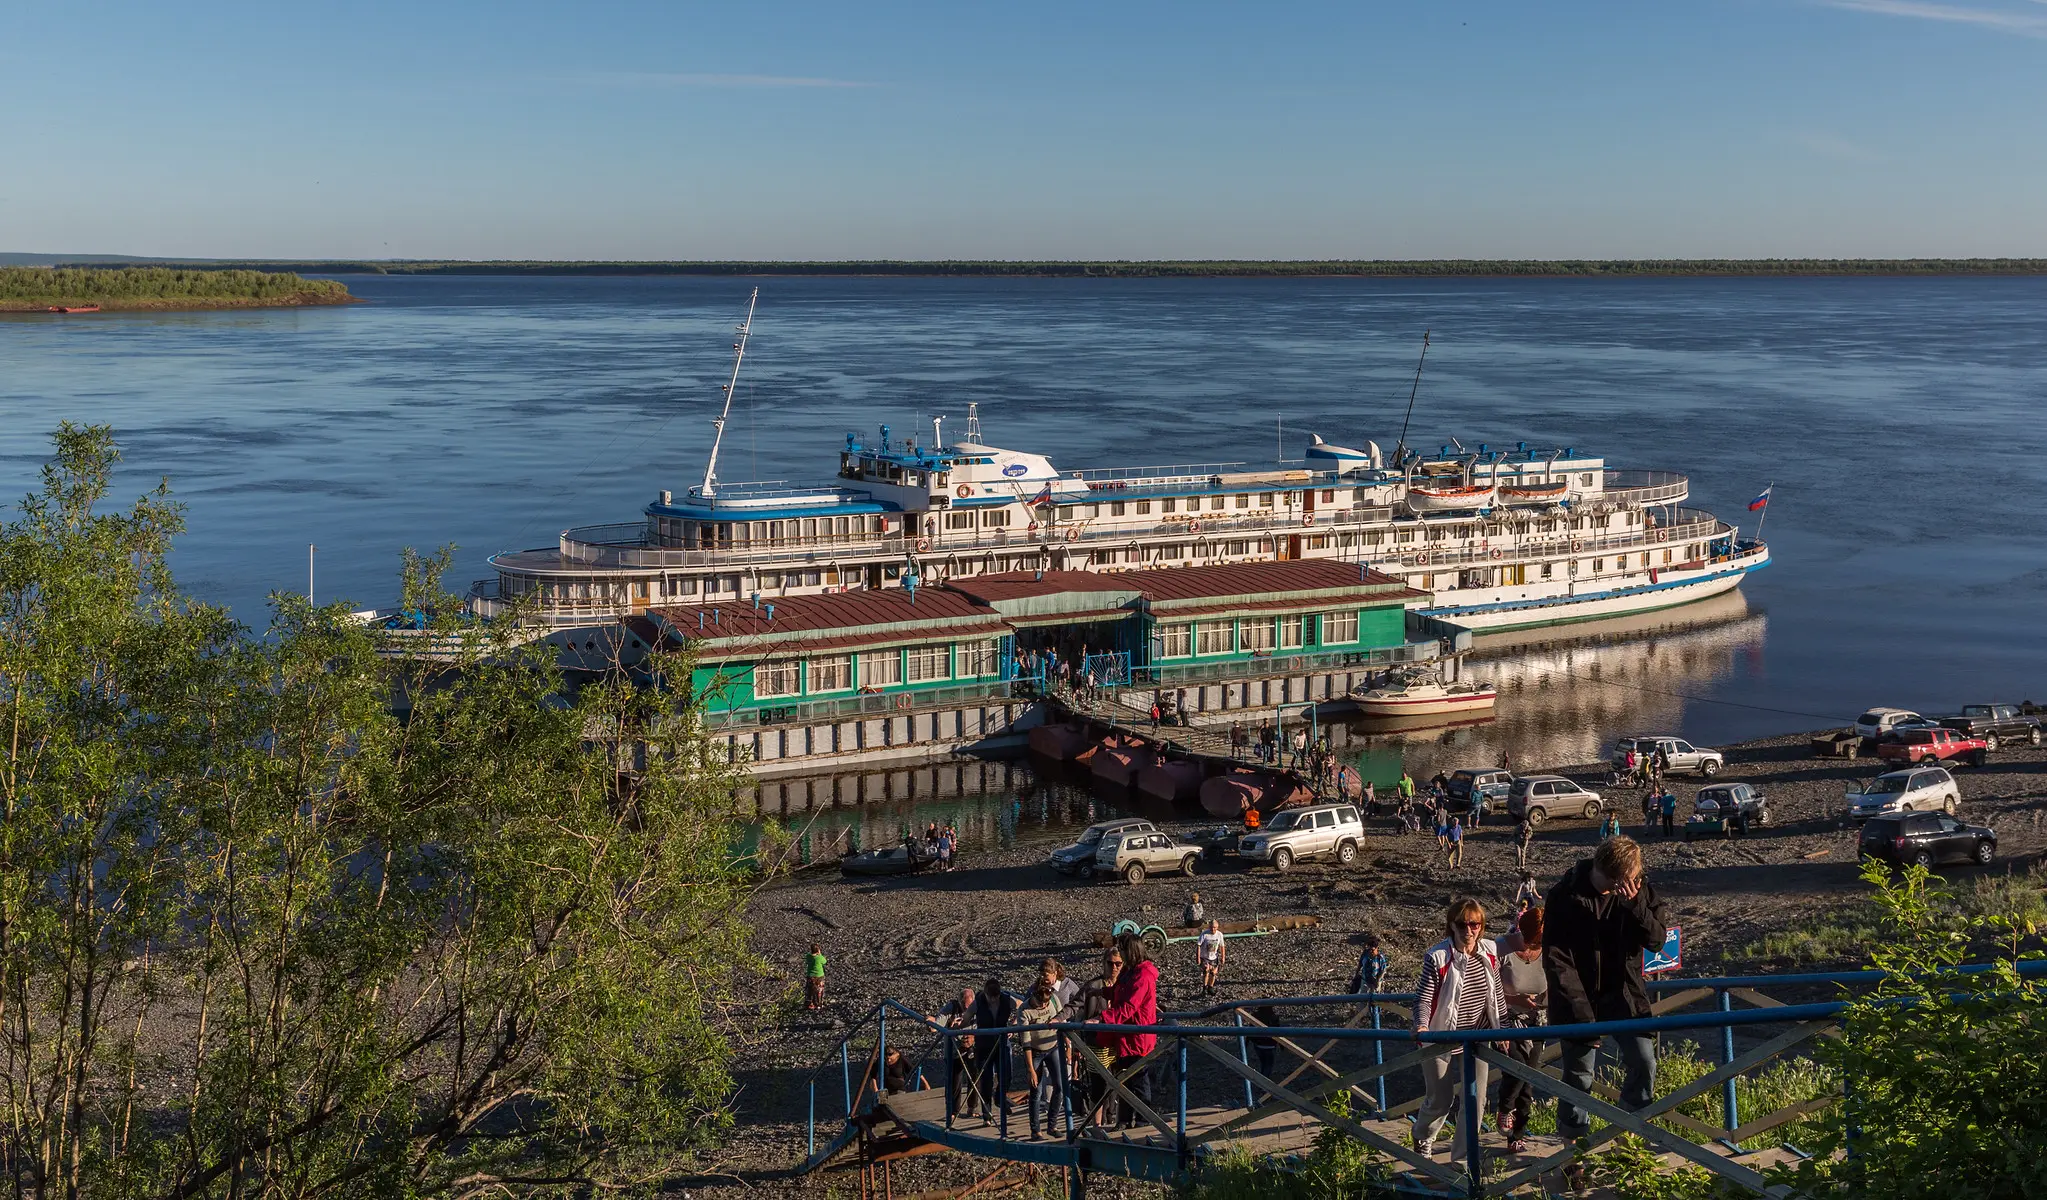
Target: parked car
[
  {"x": 1334, "y": 830},
  {"x": 1926, "y": 839},
  {"x": 1938, "y": 744},
  {"x": 1492, "y": 787},
  {"x": 1743, "y": 796},
  {"x": 1138, "y": 853},
  {"x": 1078, "y": 858},
  {"x": 1996, "y": 724},
  {"x": 1879, "y": 725},
  {"x": 1541, "y": 797},
  {"x": 1683, "y": 756},
  {"x": 1921, "y": 789}
]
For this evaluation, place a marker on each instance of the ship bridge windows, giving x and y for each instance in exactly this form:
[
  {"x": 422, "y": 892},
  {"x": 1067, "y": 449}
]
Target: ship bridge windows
[
  {"x": 995, "y": 518},
  {"x": 959, "y": 520}
]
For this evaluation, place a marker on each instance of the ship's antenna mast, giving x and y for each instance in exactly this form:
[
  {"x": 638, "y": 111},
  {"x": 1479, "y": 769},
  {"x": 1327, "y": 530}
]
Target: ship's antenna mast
[
  {"x": 973, "y": 422},
  {"x": 1400, "y": 451},
  {"x": 738, "y": 356}
]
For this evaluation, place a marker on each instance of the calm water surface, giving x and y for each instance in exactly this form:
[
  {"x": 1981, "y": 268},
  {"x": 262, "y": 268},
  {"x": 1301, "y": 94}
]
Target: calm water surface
[{"x": 1903, "y": 422}]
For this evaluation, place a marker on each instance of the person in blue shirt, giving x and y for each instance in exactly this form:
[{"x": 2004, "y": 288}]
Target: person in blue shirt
[
  {"x": 1373, "y": 964},
  {"x": 1669, "y": 802}
]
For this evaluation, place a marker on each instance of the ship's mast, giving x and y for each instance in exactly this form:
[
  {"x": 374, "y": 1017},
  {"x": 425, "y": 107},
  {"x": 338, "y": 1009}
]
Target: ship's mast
[
  {"x": 738, "y": 356},
  {"x": 973, "y": 422}
]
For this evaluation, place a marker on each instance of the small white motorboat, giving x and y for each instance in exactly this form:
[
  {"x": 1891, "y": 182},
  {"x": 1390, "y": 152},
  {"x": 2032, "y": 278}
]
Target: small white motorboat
[{"x": 1425, "y": 697}]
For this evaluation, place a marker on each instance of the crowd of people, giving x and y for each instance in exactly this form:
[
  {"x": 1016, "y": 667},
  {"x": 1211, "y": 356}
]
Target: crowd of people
[{"x": 1571, "y": 954}]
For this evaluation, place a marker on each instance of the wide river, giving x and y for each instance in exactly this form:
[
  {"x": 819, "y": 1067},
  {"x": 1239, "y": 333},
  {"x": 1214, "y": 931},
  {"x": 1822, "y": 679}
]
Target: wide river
[{"x": 1903, "y": 423}]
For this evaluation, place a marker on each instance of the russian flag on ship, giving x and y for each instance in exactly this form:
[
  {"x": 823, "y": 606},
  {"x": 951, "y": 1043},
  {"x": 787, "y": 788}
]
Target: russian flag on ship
[{"x": 1762, "y": 501}]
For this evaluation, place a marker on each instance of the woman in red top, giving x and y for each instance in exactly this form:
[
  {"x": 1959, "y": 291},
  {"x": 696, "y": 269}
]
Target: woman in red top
[{"x": 1135, "y": 1001}]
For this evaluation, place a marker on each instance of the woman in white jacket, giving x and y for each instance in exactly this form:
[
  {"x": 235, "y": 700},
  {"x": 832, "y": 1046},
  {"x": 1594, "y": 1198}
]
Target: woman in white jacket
[{"x": 1459, "y": 989}]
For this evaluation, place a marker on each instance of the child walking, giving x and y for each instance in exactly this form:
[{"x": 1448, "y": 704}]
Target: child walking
[{"x": 813, "y": 978}]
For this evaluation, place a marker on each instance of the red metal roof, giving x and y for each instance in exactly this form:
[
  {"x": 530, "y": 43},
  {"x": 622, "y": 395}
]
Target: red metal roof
[
  {"x": 1019, "y": 584},
  {"x": 835, "y": 611},
  {"x": 1181, "y": 583}
]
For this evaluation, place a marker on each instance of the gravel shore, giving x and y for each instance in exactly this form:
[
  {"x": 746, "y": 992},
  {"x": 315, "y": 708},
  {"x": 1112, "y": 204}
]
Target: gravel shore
[{"x": 921, "y": 939}]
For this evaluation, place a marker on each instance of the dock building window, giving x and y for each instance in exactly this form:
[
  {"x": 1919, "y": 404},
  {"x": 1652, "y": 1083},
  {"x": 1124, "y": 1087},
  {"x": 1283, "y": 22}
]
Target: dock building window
[
  {"x": 832, "y": 673},
  {"x": 777, "y": 677},
  {"x": 1339, "y": 628},
  {"x": 930, "y": 662},
  {"x": 1214, "y": 637},
  {"x": 1257, "y": 635},
  {"x": 980, "y": 658},
  {"x": 1176, "y": 641},
  {"x": 881, "y": 668},
  {"x": 1291, "y": 633}
]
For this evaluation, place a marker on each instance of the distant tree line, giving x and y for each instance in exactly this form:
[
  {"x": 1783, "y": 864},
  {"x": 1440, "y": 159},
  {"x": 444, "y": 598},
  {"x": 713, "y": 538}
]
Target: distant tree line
[
  {"x": 144, "y": 287},
  {"x": 1188, "y": 268}
]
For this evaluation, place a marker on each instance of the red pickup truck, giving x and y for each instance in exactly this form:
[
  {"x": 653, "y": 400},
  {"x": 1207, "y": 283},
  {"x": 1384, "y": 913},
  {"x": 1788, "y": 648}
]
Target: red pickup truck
[{"x": 1930, "y": 745}]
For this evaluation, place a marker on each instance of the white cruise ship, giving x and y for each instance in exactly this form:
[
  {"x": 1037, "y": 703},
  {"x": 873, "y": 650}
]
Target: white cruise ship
[{"x": 1500, "y": 539}]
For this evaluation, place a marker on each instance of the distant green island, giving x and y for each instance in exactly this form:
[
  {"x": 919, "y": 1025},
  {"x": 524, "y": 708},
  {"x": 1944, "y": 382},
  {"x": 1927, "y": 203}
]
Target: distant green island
[
  {"x": 40, "y": 289},
  {"x": 1188, "y": 269}
]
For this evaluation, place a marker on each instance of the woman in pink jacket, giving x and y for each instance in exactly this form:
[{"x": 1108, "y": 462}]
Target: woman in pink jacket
[{"x": 1135, "y": 1001}]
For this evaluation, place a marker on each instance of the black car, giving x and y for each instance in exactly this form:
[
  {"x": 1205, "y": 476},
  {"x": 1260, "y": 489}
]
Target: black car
[{"x": 1926, "y": 838}]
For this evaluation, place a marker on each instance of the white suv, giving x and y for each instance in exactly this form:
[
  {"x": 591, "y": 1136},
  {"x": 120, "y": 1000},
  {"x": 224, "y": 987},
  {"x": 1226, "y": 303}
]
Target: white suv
[
  {"x": 1681, "y": 754},
  {"x": 1879, "y": 723},
  {"x": 1332, "y": 829},
  {"x": 1921, "y": 789}
]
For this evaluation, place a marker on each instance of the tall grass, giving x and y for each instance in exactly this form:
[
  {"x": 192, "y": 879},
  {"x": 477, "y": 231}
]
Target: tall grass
[{"x": 78, "y": 285}]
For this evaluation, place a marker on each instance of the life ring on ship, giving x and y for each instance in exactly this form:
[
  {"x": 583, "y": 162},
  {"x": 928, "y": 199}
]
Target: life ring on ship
[
  {"x": 1577, "y": 544},
  {"x": 1073, "y": 535},
  {"x": 902, "y": 702},
  {"x": 1421, "y": 560},
  {"x": 1495, "y": 554},
  {"x": 1663, "y": 535},
  {"x": 1193, "y": 527},
  {"x": 923, "y": 544},
  {"x": 963, "y": 491},
  {"x": 1307, "y": 519}
]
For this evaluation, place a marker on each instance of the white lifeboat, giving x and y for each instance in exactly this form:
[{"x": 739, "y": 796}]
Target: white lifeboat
[
  {"x": 1448, "y": 496},
  {"x": 1535, "y": 493}
]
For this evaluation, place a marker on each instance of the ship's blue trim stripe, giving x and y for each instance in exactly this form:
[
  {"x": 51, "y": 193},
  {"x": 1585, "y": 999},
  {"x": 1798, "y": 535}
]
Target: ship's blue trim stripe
[
  {"x": 856, "y": 508},
  {"x": 1452, "y": 613}
]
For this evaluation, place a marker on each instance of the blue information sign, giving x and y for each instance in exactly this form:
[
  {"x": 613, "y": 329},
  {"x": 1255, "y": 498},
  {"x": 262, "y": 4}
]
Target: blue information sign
[{"x": 1670, "y": 958}]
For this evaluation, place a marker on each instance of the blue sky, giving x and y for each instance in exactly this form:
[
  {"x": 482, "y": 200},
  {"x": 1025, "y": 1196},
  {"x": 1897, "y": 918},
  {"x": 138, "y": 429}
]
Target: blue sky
[{"x": 1132, "y": 130}]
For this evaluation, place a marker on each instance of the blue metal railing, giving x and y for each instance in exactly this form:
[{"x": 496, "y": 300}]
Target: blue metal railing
[{"x": 1177, "y": 1026}]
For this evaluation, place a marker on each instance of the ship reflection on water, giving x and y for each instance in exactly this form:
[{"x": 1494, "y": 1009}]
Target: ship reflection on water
[{"x": 1565, "y": 694}]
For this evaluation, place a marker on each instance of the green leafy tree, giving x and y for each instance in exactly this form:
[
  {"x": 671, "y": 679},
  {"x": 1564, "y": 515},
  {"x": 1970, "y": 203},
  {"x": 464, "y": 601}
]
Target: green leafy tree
[
  {"x": 1945, "y": 1072},
  {"x": 338, "y": 911}
]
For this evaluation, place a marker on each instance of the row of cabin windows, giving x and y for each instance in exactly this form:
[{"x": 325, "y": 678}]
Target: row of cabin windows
[
  {"x": 990, "y": 518},
  {"x": 1194, "y": 638},
  {"x": 725, "y": 535},
  {"x": 778, "y": 677}
]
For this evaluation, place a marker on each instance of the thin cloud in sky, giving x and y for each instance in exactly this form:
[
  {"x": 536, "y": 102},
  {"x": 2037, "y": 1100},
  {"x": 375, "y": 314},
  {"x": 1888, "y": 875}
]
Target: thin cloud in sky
[
  {"x": 2027, "y": 20},
  {"x": 1827, "y": 145},
  {"x": 702, "y": 80}
]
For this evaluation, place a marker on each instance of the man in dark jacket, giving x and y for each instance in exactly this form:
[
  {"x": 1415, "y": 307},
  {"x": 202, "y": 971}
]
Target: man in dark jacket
[{"x": 1599, "y": 919}]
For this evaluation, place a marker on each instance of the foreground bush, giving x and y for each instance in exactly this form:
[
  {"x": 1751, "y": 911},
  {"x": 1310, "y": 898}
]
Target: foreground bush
[{"x": 261, "y": 936}]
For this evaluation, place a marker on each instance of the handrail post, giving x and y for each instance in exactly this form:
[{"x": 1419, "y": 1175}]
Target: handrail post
[
  {"x": 1379, "y": 1055},
  {"x": 952, "y": 1075},
  {"x": 1065, "y": 1084},
  {"x": 810, "y": 1123},
  {"x": 1244, "y": 1056},
  {"x": 1473, "y": 1106},
  {"x": 846, "y": 1072},
  {"x": 881, "y": 1053},
  {"x": 1728, "y": 1099},
  {"x": 1180, "y": 1126}
]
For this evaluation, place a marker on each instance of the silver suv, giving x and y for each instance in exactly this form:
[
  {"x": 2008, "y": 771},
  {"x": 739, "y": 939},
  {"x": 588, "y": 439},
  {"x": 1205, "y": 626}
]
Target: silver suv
[
  {"x": 1541, "y": 797},
  {"x": 1079, "y": 857},
  {"x": 1335, "y": 830},
  {"x": 1682, "y": 755},
  {"x": 1921, "y": 789},
  {"x": 1136, "y": 854}
]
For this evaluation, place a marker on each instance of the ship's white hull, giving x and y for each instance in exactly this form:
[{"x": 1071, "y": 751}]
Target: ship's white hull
[{"x": 1493, "y": 610}]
